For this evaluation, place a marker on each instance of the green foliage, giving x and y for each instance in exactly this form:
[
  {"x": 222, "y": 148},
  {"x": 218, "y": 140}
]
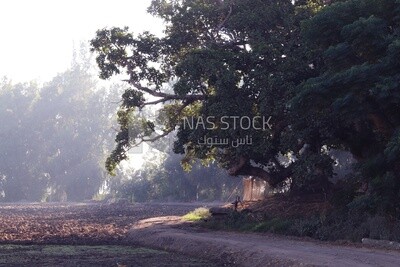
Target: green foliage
[
  {"x": 198, "y": 214},
  {"x": 163, "y": 179},
  {"x": 275, "y": 225},
  {"x": 327, "y": 75},
  {"x": 313, "y": 169},
  {"x": 305, "y": 226},
  {"x": 338, "y": 224},
  {"x": 229, "y": 58},
  {"x": 345, "y": 193},
  {"x": 358, "y": 82},
  {"x": 232, "y": 221}
]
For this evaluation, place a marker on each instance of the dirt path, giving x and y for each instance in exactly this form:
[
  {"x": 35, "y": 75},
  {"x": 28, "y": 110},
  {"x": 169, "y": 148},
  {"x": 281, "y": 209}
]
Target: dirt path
[{"x": 239, "y": 249}]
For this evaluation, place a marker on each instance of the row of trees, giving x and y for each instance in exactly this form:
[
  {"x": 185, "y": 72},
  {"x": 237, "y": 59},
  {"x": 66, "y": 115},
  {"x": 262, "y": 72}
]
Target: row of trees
[
  {"x": 325, "y": 71},
  {"x": 54, "y": 137},
  {"x": 162, "y": 178},
  {"x": 54, "y": 140}
]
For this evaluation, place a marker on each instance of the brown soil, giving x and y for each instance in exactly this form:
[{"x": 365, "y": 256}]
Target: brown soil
[
  {"x": 82, "y": 235},
  {"x": 85, "y": 224},
  {"x": 67, "y": 255},
  {"x": 106, "y": 227}
]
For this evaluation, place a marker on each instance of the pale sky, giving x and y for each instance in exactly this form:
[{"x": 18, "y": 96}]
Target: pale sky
[{"x": 37, "y": 36}]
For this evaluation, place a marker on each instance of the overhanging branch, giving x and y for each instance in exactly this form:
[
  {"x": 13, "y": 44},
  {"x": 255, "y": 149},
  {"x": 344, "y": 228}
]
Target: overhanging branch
[
  {"x": 166, "y": 97},
  {"x": 171, "y": 129},
  {"x": 165, "y": 133}
]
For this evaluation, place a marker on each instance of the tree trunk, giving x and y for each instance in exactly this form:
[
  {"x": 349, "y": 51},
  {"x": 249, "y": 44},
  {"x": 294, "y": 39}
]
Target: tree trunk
[{"x": 243, "y": 167}]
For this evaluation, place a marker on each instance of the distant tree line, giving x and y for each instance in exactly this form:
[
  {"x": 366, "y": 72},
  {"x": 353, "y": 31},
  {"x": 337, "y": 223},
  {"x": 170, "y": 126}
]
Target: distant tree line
[
  {"x": 55, "y": 137},
  {"x": 164, "y": 179}
]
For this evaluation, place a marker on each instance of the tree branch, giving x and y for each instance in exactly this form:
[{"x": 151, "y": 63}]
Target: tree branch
[
  {"x": 243, "y": 167},
  {"x": 166, "y": 96},
  {"x": 156, "y": 137},
  {"x": 225, "y": 19},
  {"x": 165, "y": 133},
  {"x": 162, "y": 100}
]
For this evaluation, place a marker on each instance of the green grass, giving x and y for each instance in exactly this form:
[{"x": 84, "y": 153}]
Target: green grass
[
  {"x": 276, "y": 225},
  {"x": 197, "y": 215}
]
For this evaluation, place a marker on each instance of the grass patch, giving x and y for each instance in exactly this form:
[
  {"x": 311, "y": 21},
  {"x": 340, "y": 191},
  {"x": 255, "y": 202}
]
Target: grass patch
[
  {"x": 276, "y": 225},
  {"x": 313, "y": 217},
  {"x": 198, "y": 214},
  {"x": 337, "y": 225}
]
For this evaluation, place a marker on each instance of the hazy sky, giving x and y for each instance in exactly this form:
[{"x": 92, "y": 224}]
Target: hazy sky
[{"x": 37, "y": 36}]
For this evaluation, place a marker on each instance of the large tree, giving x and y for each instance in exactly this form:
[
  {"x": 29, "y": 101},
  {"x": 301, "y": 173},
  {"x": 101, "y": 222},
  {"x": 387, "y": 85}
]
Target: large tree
[
  {"x": 221, "y": 58},
  {"x": 354, "y": 102}
]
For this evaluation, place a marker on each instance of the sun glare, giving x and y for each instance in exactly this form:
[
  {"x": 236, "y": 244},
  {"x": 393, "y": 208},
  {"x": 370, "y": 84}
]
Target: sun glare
[{"x": 38, "y": 36}]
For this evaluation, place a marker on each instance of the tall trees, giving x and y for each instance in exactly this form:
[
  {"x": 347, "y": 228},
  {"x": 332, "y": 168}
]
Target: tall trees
[
  {"x": 327, "y": 76},
  {"x": 162, "y": 178},
  {"x": 222, "y": 58},
  {"x": 354, "y": 101},
  {"x": 15, "y": 136},
  {"x": 53, "y": 138}
]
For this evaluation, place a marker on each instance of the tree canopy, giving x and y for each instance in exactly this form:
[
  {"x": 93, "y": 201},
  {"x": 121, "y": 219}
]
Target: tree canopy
[
  {"x": 354, "y": 101},
  {"x": 221, "y": 58},
  {"x": 324, "y": 72}
]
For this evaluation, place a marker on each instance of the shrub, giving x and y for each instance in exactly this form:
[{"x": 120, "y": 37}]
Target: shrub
[
  {"x": 275, "y": 225},
  {"x": 197, "y": 215},
  {"x": 305, "y": 226}
]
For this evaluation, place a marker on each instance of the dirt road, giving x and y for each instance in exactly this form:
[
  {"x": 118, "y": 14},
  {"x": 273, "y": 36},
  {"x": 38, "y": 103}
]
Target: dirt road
[
  {"x": 252, "y": 250},
  {"x": 159, "y": 226},
  {"x": 255, "y": 249}
]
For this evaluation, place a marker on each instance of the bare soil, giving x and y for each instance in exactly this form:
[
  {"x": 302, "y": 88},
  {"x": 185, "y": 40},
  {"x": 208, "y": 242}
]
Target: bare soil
[
  {"x": 142, "y": 234},
  {"x": 67, "y": 255},
  {"x": 90, "y": 234}
]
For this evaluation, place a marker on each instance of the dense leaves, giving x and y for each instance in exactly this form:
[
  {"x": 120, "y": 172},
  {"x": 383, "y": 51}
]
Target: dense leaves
[
  {"x": 221, "y": 58},
  {"x": 325, "y": 71},
  {"x": 359, "y": 84}
]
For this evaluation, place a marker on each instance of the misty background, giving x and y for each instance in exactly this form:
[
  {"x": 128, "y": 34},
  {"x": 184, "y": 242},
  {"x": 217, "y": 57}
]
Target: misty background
[{"x": 55, "y": 137}]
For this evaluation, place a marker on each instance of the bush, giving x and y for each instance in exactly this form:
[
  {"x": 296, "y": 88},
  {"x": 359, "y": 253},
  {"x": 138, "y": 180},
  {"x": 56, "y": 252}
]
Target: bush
[
  {"x": 275, "y": 225},
  {"x": 378, "y": 227},
  {"x": 305, "y": 227},
  {"x": 347, "y": 223},
  {"x": 197, "y": 215}
]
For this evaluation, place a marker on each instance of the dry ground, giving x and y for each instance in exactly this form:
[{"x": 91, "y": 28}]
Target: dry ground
[
  {"x": 82, "y": 235},
  {"x": 93, "y": 234},
  {"x": 75, "y": 223}
]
